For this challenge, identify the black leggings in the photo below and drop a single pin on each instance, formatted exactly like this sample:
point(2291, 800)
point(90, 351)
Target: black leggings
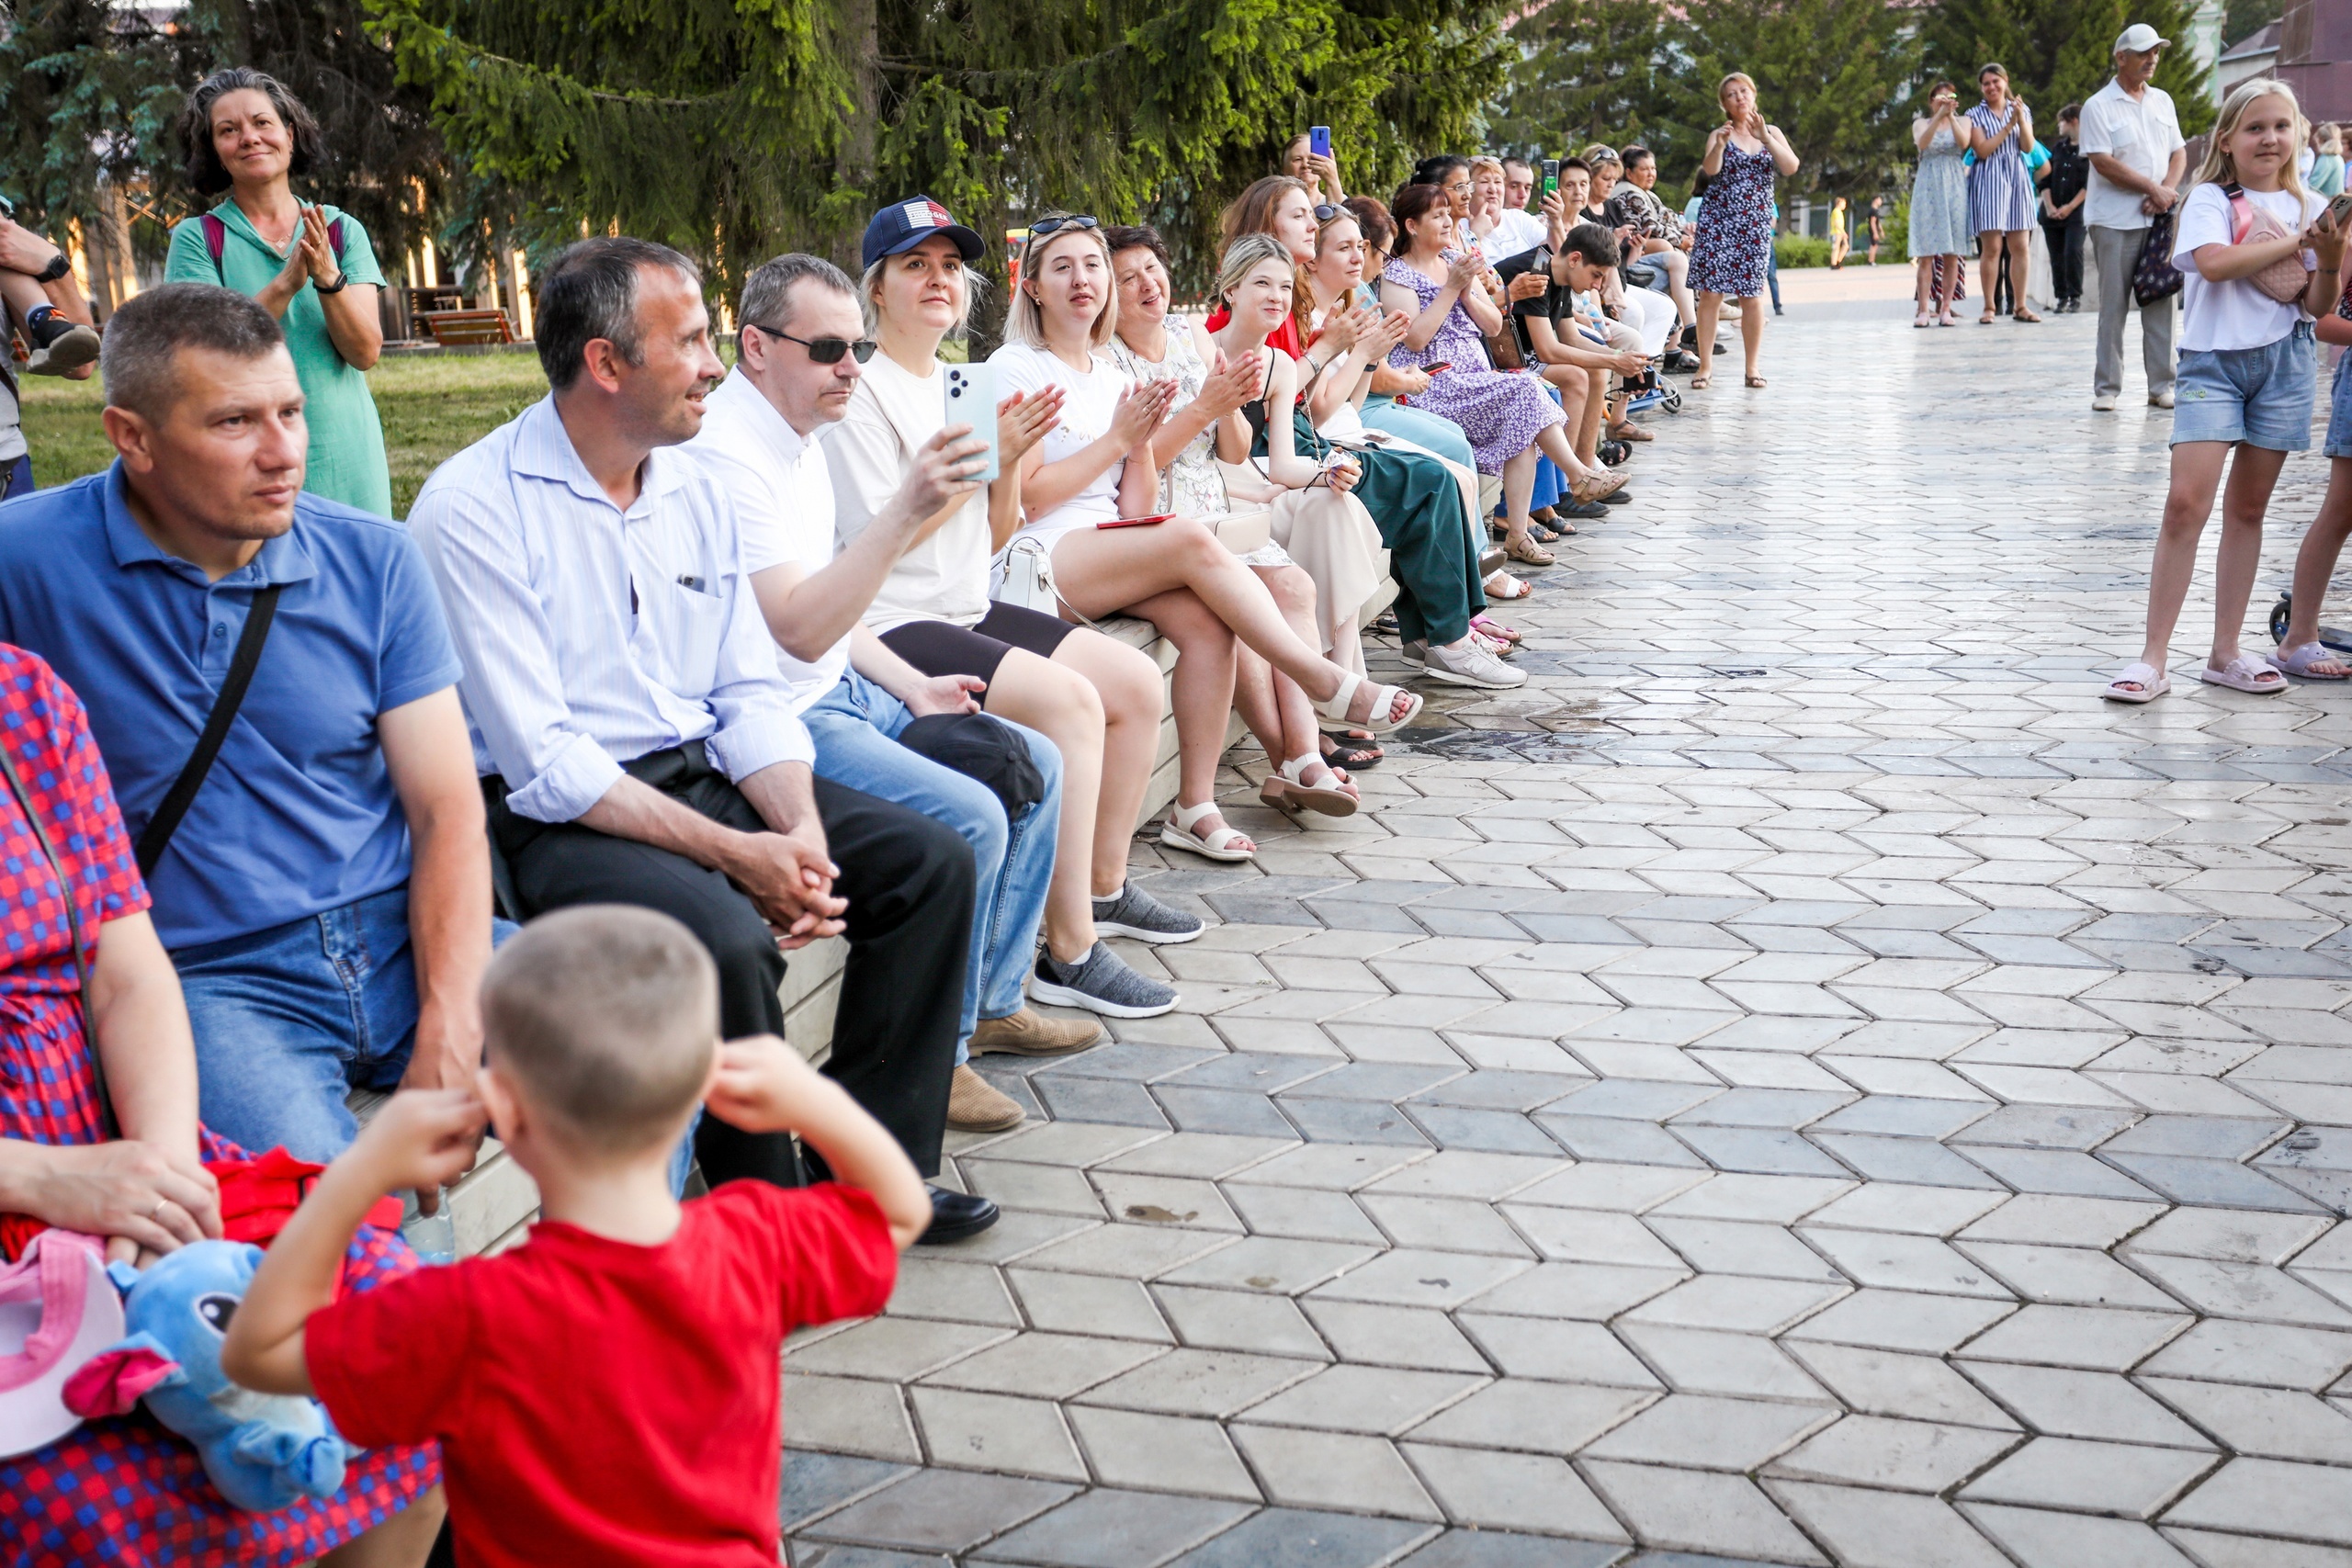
point(942, 648)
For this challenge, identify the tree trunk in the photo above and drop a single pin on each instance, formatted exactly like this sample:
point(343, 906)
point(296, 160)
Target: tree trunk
point(853, 164)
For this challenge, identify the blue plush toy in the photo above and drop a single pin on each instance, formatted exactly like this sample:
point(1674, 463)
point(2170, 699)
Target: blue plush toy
point(263, 1452)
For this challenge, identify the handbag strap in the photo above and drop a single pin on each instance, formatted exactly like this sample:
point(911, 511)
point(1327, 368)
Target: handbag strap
point(157, 835)
point(72, 934)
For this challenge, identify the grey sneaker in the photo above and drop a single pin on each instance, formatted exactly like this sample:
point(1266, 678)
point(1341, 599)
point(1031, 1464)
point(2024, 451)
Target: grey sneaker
point(1132, 912)
point(1416, 654)
point(1101, 982)
point(1470, 666)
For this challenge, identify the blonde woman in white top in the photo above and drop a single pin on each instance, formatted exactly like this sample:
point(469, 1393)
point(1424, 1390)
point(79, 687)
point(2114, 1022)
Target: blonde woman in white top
point(1097, 699)
point(1097, 468)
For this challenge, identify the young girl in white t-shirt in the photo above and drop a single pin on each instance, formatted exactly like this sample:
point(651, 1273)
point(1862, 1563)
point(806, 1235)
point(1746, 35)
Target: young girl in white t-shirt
point(2246, 372)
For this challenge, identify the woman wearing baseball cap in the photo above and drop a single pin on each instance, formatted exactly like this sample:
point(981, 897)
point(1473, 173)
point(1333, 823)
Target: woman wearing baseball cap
point(1096, 698)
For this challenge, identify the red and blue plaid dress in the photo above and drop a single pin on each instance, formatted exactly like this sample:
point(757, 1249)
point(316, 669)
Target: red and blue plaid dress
point(123, 1490)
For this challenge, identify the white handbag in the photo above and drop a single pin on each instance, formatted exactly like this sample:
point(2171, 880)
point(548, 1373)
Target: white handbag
point(1025, 577)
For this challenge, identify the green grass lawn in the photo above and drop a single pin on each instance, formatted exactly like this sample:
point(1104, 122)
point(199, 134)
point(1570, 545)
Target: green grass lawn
point(431, 406)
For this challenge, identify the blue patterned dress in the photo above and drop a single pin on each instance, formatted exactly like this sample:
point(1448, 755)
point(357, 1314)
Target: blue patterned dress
point(1939, 200)
point(2000, 191)
point(1734, 244)
point(1502, 412)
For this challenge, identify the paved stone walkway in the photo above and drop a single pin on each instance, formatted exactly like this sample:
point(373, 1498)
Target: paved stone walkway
point(1802, 1081)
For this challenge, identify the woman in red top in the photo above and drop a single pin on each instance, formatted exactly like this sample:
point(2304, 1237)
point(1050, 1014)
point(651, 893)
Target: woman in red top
point(123, 1490)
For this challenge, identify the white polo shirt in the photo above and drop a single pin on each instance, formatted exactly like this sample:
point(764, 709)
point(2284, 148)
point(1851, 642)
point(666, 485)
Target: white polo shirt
point(781, 493)
point(2141, 134)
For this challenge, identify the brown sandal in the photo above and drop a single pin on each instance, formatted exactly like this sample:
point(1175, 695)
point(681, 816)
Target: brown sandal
point(1527, 552)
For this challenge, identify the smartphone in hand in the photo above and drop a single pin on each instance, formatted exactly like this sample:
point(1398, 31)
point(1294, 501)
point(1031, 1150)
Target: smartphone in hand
point(2339, 211)
point(1318, 140)
point(1551, 175)
point(970, 396)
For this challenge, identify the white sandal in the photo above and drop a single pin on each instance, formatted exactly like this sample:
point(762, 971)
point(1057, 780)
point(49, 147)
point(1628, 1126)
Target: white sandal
point(1178, 834)
point(2151, 681)
point(1384, 703)
point(2245, 673)
point(1287, 790)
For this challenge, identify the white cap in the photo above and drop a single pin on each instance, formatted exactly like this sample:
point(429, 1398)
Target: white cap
point(2139, 37)
point(62, 1310)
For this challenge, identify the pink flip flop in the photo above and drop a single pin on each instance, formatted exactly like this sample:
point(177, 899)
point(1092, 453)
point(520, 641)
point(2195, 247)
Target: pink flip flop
point(2140, 683)
point(2245, 673)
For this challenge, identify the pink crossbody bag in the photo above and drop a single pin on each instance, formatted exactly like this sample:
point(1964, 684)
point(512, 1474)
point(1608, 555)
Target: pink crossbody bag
point(2284, 279)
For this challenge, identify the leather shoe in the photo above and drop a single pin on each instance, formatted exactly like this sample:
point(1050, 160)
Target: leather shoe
point(956, 1216)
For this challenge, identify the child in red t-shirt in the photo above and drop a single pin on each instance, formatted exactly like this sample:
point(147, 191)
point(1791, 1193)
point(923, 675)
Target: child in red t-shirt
point(608, 1391)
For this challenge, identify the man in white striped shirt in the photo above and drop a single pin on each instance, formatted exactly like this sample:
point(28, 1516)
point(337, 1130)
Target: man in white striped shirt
point(638, 743)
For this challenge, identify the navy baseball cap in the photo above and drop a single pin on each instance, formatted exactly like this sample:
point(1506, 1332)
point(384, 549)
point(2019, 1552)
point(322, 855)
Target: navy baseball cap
point(903, 225)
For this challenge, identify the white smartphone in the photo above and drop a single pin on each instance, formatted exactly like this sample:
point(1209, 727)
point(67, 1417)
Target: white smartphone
point(971, 399)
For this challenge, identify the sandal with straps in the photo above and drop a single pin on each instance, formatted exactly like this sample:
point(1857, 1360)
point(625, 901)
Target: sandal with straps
point(1382, 719)
point(1287, 789)
point(1496, 629)
point(1502, 588)
point(1178, 834)
point(1349, 751)
point(1527, 552)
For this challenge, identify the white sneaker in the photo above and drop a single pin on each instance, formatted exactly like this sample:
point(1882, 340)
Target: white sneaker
point(2104, 402)
point(2160, 400)
point(1472, 665)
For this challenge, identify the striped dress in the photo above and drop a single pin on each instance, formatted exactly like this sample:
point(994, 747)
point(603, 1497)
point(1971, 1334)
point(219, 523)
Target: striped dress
point(2000, 192)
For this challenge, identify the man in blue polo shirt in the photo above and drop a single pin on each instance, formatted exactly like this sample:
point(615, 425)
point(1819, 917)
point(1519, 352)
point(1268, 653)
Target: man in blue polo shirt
point(326, 895)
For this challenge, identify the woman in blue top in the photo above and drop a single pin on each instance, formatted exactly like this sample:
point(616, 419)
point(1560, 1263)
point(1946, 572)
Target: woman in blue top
point(2000, 190)
point(311, 266)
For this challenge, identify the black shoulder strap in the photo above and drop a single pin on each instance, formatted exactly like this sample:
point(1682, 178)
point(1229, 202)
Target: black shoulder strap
point(181, 794)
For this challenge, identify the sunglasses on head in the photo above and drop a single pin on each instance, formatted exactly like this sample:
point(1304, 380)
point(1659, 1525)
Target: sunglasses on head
point(1044, 226)
point(824, 349)
point(1325, 212)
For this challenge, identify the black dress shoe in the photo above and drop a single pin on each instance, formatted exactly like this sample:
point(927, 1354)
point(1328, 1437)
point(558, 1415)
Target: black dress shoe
point(955, 1216)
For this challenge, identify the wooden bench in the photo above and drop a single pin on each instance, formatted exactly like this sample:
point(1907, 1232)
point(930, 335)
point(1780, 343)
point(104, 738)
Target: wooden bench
point(467, 329)
point(495, 1202)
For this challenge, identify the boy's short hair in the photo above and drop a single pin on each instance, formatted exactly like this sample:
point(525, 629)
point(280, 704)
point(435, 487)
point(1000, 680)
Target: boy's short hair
point(605, 1016)
point(1595, 244)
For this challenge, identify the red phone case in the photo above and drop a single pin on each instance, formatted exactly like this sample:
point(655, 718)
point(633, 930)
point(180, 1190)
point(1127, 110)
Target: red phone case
point(1136, 522)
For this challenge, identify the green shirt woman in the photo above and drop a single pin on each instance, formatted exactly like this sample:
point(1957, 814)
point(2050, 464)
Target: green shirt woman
point(311, 266)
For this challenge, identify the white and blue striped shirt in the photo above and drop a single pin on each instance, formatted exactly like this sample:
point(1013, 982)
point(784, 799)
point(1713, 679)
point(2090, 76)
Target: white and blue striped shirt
point(591, 636)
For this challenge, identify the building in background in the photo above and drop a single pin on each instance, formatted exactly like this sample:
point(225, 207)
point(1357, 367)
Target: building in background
point(2315, 56)
point(2253, 55)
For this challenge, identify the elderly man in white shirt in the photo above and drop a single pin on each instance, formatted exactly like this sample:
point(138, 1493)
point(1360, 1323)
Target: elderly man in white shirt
point(881, 726)
point(2131, 136)
point(638, 743)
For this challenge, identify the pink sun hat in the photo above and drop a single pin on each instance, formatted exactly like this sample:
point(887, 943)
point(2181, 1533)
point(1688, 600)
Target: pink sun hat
point(56, 1310)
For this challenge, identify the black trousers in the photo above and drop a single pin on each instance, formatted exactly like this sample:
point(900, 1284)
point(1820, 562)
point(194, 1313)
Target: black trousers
point(908, 882)
point(2065, 237)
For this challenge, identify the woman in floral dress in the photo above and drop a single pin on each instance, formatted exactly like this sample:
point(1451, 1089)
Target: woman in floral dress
point(122, 1490)
point(1507, 414)
point(1734, 245)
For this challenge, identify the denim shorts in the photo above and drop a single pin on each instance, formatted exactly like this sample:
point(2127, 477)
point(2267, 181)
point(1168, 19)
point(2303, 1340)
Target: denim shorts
point(2260, 396)
point(2339, 413)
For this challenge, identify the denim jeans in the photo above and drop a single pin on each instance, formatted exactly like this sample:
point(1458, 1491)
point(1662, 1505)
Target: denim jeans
point(290, 1020)
point(856, 726)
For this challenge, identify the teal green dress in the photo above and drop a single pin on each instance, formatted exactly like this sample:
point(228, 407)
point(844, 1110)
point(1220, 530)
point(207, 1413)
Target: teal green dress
point(346, 461)
point(1416, 503)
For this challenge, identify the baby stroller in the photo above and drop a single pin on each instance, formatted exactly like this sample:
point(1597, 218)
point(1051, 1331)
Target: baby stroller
point(1652, 391)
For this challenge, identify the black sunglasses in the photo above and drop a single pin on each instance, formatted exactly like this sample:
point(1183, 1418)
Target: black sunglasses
point(1044, 226)
point(825, 350)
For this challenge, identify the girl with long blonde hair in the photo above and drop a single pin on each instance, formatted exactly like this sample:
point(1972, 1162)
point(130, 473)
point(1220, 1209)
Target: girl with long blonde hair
point(2259, 260)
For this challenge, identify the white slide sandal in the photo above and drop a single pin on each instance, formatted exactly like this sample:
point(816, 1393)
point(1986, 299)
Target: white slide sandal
point(1178, 834)
point(1383, 703)
point(2138, 683)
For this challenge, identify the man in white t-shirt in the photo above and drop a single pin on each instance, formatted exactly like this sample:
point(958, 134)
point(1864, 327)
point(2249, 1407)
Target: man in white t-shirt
point(880, 727)
point(2132, 137)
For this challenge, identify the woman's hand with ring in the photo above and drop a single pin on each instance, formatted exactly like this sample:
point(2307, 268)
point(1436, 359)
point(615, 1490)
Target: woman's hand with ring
point(134, 1194)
